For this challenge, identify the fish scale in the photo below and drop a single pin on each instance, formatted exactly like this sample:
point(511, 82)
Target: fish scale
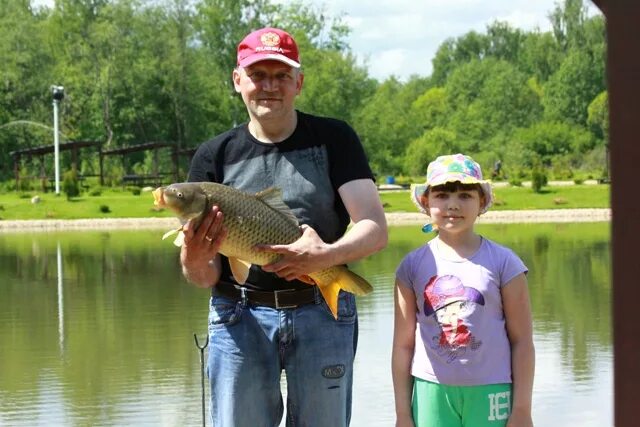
point(250, 220)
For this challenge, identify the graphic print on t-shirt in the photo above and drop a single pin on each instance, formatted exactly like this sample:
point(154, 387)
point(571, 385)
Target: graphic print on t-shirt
point(446, 298)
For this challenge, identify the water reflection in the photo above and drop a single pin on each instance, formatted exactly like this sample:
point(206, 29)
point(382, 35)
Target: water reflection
point(97, 328)
point(60, 301)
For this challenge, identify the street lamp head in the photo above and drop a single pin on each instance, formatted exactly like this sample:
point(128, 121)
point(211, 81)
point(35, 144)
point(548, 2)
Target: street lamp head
point(58, 92)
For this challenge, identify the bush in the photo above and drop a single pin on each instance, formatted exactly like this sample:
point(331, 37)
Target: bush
point(134, 190)
point(561, 168)
point(105, 209)
point(71, 184)
point(515, 182)
point(538, 178)
point(95, 191)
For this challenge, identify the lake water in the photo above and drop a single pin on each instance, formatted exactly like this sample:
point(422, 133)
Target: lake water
point(96, 328)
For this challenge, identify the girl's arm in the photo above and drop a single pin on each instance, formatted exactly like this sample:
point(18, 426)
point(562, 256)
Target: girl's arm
point(403, 344)
point(517, 311)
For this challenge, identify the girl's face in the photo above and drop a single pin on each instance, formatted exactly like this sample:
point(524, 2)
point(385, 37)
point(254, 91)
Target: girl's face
point(453, 211)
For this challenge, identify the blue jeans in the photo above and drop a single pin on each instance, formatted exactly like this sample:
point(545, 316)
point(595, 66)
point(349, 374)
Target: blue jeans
point(250, 345)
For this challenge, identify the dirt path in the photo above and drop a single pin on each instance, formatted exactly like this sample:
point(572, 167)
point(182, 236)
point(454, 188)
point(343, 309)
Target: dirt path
point(523, 216)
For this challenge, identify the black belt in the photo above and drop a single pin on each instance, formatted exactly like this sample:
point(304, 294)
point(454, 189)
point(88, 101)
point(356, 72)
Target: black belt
point(287, 298)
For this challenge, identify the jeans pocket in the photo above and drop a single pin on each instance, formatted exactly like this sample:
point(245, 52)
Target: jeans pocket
point(223, 312)
point(346, 307)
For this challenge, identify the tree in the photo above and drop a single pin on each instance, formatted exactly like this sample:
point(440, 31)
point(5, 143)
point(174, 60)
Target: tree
point(569, 91)
point(431, 144)
point(504, 42)
point(489, 97)
point(540, 56)
point(335, 85)
point(598, 116)
point(25, 97)
point(384, 127)
point(598, 122)
point(546, 140)
point(567, 20)
point(431, 109)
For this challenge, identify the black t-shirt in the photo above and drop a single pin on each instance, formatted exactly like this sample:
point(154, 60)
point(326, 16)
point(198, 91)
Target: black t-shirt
point(320, 156)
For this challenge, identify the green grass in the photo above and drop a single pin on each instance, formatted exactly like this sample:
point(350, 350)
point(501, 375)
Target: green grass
point(521, 198)
point(123, 204)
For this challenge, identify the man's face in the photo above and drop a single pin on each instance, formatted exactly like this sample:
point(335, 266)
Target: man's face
point(268, 88)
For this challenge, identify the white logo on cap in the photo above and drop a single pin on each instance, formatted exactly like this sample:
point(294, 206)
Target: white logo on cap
point(270, 39)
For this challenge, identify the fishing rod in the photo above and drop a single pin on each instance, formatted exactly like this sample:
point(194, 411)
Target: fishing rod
point(201, 348)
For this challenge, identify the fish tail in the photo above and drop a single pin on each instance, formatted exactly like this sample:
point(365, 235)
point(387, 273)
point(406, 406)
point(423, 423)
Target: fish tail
point(340, 278)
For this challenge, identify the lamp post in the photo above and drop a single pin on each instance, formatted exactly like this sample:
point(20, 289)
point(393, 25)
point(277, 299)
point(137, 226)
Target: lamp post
point(58, 95)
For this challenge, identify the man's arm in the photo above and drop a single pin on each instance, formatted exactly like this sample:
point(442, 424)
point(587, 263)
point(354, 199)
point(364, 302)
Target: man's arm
point(367, 235)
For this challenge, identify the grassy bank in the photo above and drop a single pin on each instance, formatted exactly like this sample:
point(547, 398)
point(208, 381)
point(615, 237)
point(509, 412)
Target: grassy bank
point(123, 204)
point(522, 198)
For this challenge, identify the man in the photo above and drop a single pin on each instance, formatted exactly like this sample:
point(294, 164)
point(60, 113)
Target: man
point(255, 332)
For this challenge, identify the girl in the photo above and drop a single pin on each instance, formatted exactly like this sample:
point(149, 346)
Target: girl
point(463, 350)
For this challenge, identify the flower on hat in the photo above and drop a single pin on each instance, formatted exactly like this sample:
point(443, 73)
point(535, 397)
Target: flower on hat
point(268, 43)
point(452, 168)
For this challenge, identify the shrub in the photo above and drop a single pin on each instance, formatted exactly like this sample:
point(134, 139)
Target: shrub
point(71, 184)
point(515, 181)
point(95, 191)
point(134, 190)
point(538, 178)
point(105, 209)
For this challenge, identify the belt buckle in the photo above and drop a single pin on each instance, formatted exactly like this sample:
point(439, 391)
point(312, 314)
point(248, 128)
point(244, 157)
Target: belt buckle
point(277, 300)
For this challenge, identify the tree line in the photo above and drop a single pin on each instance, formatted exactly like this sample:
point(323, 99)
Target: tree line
point(137, 71)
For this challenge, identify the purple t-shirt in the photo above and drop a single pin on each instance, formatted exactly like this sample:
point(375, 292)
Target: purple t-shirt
point(461, 338)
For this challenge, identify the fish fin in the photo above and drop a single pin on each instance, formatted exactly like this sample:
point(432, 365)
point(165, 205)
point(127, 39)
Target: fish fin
point(272, 196)
point(330, 295)
point(179, 240)
point(239, 269)
point(340, 277)
point(170, 232)
point(351, 282)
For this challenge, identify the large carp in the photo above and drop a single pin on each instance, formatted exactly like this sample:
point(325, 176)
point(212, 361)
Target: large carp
point(250, 220)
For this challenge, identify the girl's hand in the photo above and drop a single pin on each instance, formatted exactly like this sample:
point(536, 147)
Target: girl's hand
point(519, 418)
point(404, 421)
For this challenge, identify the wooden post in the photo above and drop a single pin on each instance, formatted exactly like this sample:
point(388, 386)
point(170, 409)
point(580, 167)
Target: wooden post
point(100, 161)
point(623, 74)
point(16, 170)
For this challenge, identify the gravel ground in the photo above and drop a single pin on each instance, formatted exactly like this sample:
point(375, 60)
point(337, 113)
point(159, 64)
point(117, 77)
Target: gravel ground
point(491, 217)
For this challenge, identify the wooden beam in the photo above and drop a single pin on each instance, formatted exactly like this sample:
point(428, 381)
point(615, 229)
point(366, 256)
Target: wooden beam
point(623, 74)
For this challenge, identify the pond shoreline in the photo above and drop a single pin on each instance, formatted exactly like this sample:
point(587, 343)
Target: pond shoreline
point(396, 218)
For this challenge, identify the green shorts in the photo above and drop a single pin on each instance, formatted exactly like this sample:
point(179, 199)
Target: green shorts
point(441, 405)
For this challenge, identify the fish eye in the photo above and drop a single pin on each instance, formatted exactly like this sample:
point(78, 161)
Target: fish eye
point(179, 195)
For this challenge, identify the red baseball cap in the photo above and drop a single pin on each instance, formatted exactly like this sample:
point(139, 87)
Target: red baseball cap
point(268, 43)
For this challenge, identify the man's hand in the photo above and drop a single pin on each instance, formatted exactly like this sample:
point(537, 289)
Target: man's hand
point(304, 256)
point(200, 248)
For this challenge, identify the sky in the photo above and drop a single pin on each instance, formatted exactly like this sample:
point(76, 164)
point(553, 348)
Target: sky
point(400, 37)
